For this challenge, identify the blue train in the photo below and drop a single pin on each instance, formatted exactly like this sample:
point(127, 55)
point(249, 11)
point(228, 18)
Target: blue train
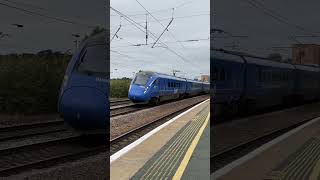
point(84, 95)
point(152, 87)
point(243, 82)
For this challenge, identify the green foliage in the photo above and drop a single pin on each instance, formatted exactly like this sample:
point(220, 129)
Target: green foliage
point(30, 84)
point(119, 88)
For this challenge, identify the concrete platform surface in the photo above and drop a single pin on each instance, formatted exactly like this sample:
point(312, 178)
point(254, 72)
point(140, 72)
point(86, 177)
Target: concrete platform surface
point(166, 151)
point(292, 156)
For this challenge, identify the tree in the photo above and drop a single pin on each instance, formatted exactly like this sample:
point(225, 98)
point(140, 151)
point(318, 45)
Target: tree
point(95, 31)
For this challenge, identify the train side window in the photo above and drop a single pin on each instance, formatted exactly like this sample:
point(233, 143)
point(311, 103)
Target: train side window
point(259, 75)
point(229, 77)
point(222, 74)
point(214, 73)
point(155, 83)
point(93, 60)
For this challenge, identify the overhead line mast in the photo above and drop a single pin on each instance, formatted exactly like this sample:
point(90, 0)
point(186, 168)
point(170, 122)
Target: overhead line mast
point(146, 29)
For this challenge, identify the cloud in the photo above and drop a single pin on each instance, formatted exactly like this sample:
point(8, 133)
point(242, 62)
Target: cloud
point(195, 54)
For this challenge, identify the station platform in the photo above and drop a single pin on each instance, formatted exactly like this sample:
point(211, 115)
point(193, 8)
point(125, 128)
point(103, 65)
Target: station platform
point(178, 149)
point(292, 156)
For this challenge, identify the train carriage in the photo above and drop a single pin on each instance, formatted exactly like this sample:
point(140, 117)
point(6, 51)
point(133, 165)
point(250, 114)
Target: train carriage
point(268, 83)
point(307, 82)
point(155, 87)
point(83, 100)
point(242, 82)
point(228, 80)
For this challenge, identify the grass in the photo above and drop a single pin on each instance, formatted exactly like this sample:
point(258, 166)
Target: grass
point(31, 85)
point(119, 88)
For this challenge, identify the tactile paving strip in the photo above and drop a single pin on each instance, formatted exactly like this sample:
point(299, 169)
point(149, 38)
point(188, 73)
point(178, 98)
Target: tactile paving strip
point(165, 162)
point(304, 164)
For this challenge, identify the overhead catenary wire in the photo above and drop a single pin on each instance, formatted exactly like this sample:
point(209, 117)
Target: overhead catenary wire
point(141, 28)
point(160, 22)
point(45, 15)
point(157, 11)
point(275, 16)
point(134, 23)
point(120, 54)
point(188, 40)
point(25, 4)
point(177, 17)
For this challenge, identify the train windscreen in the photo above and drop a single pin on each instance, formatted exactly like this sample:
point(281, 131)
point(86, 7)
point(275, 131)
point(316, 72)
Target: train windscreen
point(94, 60)
point(142, 78)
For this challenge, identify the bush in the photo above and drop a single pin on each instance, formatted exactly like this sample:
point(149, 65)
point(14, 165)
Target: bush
point(119, 88)
point(31, 84)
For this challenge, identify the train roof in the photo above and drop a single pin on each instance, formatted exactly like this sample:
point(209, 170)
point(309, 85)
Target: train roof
point(226, 56)
point(307, 68)
point(237, 57)
point(166, 76)
point(264, 62)
point(194, 81)
point(162, 75)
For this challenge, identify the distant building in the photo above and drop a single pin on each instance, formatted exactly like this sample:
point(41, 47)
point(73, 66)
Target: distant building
point(205, 78)
point(308, 54)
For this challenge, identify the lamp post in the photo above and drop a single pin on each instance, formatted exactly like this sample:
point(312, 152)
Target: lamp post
point(76, 41)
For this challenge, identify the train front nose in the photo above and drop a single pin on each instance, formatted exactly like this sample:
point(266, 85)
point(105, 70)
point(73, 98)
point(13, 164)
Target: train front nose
point(138, 94)
point(84, 108)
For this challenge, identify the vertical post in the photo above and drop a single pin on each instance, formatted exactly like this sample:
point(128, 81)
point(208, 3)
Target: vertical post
point(146, 29)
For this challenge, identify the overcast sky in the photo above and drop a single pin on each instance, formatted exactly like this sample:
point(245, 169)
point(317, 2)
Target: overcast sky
point(41, 33)
point(191, 21)
point(258, 22)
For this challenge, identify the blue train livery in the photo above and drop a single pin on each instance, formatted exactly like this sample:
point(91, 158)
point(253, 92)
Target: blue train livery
point(242, 82)
point(155, 87)
point(83, 99)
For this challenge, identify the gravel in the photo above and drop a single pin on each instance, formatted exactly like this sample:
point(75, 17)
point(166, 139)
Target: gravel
point(18, 119)
point(93, 167)
point(125, 123)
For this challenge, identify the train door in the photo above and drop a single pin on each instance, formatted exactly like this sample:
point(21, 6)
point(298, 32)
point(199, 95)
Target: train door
point(161, 86)
point(164, 89)
point(155, 88)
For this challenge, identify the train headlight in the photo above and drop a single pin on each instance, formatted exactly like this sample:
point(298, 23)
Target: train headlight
point(146, 89)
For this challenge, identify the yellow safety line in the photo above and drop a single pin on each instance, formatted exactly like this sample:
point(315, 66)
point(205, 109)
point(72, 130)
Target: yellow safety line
point(186, 146)
point(189, 153)
point(181, 137)
point(174, 153)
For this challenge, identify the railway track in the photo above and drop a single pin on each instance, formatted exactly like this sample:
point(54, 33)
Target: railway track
point(121, 110)
point(230, 152)
point(119, 102)
point(127, 138)
point(44, 154)
point(27, 130)
point(129, 107)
